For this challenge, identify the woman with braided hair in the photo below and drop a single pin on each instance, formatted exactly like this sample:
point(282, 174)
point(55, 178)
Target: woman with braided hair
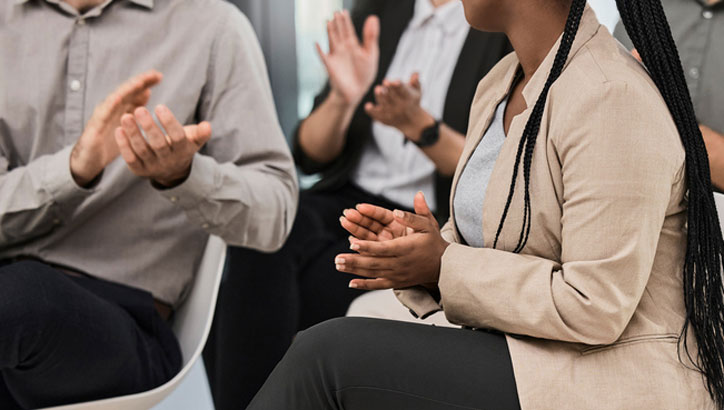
point(583, 256)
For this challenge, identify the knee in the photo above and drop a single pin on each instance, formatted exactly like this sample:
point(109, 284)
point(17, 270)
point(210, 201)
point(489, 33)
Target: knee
point(331, 342)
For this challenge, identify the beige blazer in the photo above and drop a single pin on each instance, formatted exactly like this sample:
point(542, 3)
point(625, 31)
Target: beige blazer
point(594, 304)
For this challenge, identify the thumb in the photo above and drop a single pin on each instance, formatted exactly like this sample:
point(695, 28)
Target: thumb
point(198, 134)
point(415, 81)
point(371, 33)
point(421, 207)
point(636, 55)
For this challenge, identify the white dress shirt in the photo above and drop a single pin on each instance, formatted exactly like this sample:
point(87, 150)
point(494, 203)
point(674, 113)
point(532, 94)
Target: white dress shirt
point(430, 46)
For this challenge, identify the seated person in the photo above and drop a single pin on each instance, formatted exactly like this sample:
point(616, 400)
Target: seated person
point(583, 255)
point(101, 229)
point(373, 140)
point(698, 29)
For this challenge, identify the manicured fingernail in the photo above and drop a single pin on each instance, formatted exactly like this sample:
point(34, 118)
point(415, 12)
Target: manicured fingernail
point(340, 267)
point(354, 247)
point(341, 219)
point(398, 213)
point(346, 212)
point(353, 285)
point(340, 261)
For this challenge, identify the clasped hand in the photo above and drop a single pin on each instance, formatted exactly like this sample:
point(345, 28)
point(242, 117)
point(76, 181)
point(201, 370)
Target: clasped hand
point(395, 249)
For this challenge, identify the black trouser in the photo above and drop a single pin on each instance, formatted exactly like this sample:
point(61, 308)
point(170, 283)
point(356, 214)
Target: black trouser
point(362, 364)
point(67, 340)
point(266, 299)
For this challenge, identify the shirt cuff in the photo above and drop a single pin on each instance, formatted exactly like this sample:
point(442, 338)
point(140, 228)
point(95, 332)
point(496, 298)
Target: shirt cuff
point(200, 184)
point(418, 300)
point(57, 180)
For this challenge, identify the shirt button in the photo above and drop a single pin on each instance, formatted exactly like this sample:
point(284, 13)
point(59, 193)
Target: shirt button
point(205, 226)
point(56, 221)
point(174, 199)
point(75, 85)
point(694, 73)
point(708, 14)
point(80, 22)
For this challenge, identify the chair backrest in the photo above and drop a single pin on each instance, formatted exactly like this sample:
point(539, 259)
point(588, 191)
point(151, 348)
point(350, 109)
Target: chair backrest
point(719, 199)
point(192, 324)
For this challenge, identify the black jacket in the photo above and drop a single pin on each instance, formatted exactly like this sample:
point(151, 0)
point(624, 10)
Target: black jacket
point(479, 54)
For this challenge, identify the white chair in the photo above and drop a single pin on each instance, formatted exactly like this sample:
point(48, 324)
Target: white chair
point(191, 324)
point(719, 199)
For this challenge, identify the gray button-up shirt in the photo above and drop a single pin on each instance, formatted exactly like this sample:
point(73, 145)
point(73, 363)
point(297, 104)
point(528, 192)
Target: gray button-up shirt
point(57, 65)
point(698, 29)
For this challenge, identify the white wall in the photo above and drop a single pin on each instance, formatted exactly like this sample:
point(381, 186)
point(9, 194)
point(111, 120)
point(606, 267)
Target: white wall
point(606, 12)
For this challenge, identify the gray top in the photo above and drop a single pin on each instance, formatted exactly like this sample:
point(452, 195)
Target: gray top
point(698, 29)
point(58, 65)
point(470, 192)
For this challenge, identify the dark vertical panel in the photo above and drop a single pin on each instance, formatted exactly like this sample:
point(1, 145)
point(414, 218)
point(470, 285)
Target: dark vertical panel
point(274, 23)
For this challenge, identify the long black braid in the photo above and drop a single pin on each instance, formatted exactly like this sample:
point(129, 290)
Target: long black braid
point(646, 24)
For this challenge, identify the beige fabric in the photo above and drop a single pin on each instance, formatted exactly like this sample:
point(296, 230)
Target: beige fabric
point(596, 295)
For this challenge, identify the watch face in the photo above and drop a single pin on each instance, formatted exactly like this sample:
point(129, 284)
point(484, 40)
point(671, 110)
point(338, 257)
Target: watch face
point(430, 136)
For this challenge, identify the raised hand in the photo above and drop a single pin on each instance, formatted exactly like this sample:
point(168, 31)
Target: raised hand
point(96, 147)
point(398, 105)
point(165, 159)
point(407, 260)
point(352, 67)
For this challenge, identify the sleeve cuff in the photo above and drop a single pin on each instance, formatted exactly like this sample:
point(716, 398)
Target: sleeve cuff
point(199, 185)
point(419, 301)
point(57, 180)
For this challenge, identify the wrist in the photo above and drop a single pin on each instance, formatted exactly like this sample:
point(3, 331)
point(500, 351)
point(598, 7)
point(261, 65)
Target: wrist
point(172, 181)
point(338, 100)
point(82, 167)
point(419, 122)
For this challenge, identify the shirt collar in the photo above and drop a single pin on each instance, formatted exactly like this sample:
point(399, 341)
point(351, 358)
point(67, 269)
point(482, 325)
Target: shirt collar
point(450, 17)
point(144, 3)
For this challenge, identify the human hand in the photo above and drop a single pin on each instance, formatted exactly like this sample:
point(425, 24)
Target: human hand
point(636, 55)
point(352, 67)
point(96, 147)
point(407, 260)
point(715, 149)
point(398, 105)
point(165, 159)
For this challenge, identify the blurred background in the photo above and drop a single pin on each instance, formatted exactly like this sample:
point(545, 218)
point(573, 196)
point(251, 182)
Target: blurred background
point(288, 34)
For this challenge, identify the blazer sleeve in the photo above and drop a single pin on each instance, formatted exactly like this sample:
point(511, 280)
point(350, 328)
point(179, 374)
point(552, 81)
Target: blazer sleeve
point(620, 167)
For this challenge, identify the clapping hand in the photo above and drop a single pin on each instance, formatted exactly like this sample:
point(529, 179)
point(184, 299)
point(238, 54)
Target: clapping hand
point(352, 67)
point(395, 249)
point(96, 148)
point(398, 105)
point(167, 156)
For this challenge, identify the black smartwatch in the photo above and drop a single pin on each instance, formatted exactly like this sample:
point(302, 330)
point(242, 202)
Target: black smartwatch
point(430, 136)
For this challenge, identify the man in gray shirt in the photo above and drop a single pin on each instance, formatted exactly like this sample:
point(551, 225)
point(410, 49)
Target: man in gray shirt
point(698, 29)
point(101, 228)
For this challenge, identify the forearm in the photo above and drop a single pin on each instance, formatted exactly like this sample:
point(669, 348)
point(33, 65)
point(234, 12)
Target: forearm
point(36, 198)
point(322, 135)
point(447, 151)
point(252, 205)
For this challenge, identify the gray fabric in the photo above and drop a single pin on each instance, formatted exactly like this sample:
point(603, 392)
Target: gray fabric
point(58, 65)
point(470, 193)
point(699, 34)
